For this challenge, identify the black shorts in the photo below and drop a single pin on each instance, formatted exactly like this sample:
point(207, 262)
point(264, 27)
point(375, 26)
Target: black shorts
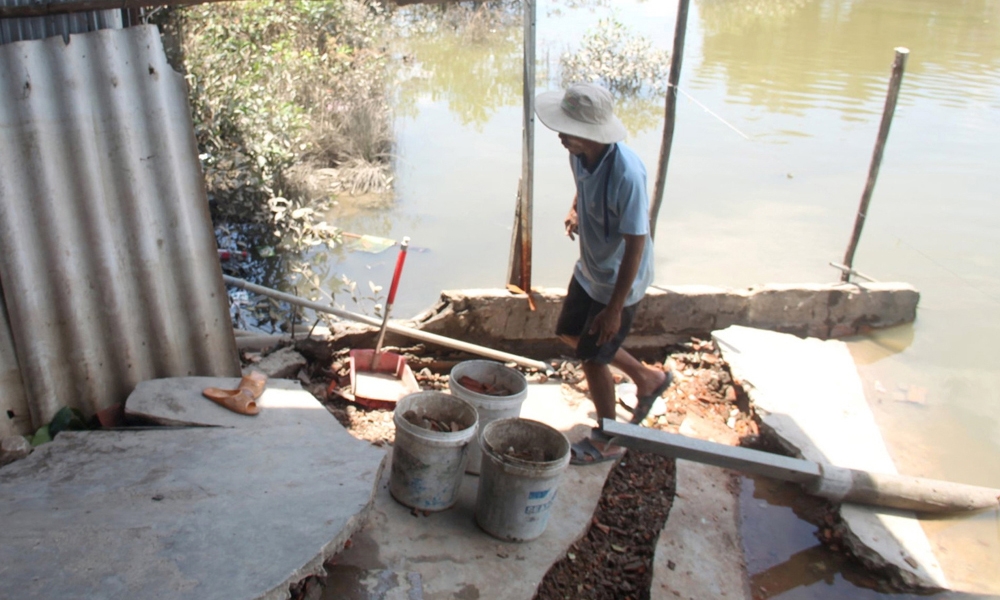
point(578, 312)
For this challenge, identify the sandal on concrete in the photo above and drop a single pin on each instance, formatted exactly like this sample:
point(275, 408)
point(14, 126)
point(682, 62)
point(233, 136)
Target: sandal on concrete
point(242, 400)
point(585, 452)
point(645, 403)
point(254, 381)
point(238, 401)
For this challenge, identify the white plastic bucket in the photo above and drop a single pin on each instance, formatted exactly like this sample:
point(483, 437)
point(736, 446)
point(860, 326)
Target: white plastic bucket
point(516, 493)
point(490, 408)
point(427, 466)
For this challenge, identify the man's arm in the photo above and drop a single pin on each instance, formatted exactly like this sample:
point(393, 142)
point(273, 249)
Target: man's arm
point(572, 221)
point(608, 321)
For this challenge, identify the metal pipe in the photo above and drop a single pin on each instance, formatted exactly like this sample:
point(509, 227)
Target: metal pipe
point(670, 113)
point(898, 66)
point(416, 334)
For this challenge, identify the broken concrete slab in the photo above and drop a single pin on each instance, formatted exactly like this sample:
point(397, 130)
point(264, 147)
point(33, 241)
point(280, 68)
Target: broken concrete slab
point(699, 553)
point(14, 447)
point(445, 555)
point(207, 512)
point(499, 319)
point(807, 392)
point(178, 401)
point(283, 363)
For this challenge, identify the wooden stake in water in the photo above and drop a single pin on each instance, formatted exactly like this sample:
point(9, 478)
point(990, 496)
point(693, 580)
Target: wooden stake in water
point(519, 268)
point(670, 113)
point(898, 66)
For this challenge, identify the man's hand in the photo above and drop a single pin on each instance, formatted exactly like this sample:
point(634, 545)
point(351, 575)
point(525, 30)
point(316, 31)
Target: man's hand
point(606, 324)
point(572, 222)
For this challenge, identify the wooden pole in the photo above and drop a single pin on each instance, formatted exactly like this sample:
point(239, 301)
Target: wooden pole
point(519, 269)
point(670, 112)
point(898, 66)
point(43, 9)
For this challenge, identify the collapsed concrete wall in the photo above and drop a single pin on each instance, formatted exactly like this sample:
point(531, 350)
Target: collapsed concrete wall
point(503, 320)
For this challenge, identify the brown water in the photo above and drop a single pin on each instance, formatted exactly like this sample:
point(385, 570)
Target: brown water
point(775, 129)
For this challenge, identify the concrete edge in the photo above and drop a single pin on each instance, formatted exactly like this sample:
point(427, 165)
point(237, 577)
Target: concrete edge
point(499, 319)
point(699, 551)
point(317, 566)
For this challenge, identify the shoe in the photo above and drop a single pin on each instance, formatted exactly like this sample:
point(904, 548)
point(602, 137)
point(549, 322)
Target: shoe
point(585, 452)
point(645, 403)
point(242, 400)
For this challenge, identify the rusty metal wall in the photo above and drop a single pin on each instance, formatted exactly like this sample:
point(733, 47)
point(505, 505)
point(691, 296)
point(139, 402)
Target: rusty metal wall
point(108, 263)
point(37, 28)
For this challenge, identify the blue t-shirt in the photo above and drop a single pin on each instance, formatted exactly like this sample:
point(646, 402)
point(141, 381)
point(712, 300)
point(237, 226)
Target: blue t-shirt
point(603, 225)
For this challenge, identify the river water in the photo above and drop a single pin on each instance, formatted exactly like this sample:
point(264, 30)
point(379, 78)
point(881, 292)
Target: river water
point(780, 106)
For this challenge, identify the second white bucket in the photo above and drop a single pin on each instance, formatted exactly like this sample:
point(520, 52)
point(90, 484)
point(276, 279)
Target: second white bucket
point(490, 407)
point(523, 461)
point(427, 465)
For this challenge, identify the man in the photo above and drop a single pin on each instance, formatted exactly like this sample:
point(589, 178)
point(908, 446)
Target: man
point(610, 213)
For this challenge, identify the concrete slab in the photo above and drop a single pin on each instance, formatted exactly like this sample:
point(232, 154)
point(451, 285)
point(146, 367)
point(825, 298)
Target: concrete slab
point(178, 401)
point(808, 392)
point(699, 554)
point(446, 556)
point(208, 512)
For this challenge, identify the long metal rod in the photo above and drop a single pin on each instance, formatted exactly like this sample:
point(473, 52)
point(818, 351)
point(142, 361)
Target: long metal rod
point(898, 66)
point(416, 334)
point(670, 113)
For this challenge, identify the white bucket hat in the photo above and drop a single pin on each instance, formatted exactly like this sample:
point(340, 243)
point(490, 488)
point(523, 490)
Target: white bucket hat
point(584, 110)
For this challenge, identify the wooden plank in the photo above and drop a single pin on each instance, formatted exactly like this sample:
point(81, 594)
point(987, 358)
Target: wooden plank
point(720, 455)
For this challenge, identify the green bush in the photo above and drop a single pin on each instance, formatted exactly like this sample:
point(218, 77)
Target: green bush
point(275, 84)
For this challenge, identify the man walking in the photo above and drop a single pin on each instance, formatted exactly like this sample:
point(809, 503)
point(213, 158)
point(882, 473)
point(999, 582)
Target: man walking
point(610, 213)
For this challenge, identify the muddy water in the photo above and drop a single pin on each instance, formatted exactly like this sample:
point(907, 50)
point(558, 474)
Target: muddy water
point(781, 105)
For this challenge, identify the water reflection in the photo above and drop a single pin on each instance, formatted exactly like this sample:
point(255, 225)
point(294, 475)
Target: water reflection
point(790, 55)
point(473, 64)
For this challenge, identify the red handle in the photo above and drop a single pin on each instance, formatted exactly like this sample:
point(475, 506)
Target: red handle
point(399, 270)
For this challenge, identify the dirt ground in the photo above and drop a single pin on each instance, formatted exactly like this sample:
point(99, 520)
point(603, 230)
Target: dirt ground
point(614, 559)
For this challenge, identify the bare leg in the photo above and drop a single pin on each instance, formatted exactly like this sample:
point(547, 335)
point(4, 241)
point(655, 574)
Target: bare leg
point(602, 389)
point(601, 382)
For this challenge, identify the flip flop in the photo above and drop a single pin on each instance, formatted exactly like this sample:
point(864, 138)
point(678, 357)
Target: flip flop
point(585, 452)
point(645, 403)
point(238, 401)
point(243, 399)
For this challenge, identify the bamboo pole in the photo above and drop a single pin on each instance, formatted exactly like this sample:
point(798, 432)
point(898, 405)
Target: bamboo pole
point(898, 66)
point(416, 334)
point(670, 112)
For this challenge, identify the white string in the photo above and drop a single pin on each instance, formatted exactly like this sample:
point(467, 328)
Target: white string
point(709, 111)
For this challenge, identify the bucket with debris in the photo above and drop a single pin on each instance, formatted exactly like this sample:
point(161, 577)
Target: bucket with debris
point(497, 392)
point(523, 461)
point(433, 431)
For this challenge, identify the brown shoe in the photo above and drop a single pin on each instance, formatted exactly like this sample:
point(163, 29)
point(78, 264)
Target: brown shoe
point(242, 400)
point(238, 401)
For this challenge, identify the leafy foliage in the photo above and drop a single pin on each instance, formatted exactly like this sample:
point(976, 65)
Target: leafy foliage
point(622, 61)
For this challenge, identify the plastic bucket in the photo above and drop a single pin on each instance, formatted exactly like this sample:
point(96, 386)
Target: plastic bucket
point(523, 461)
point(489, 407)
point(427, 465)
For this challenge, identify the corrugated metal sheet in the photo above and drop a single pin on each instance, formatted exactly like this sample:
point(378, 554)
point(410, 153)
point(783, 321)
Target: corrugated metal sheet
point(37, 28)
point(14, 415)
point(108, 262)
